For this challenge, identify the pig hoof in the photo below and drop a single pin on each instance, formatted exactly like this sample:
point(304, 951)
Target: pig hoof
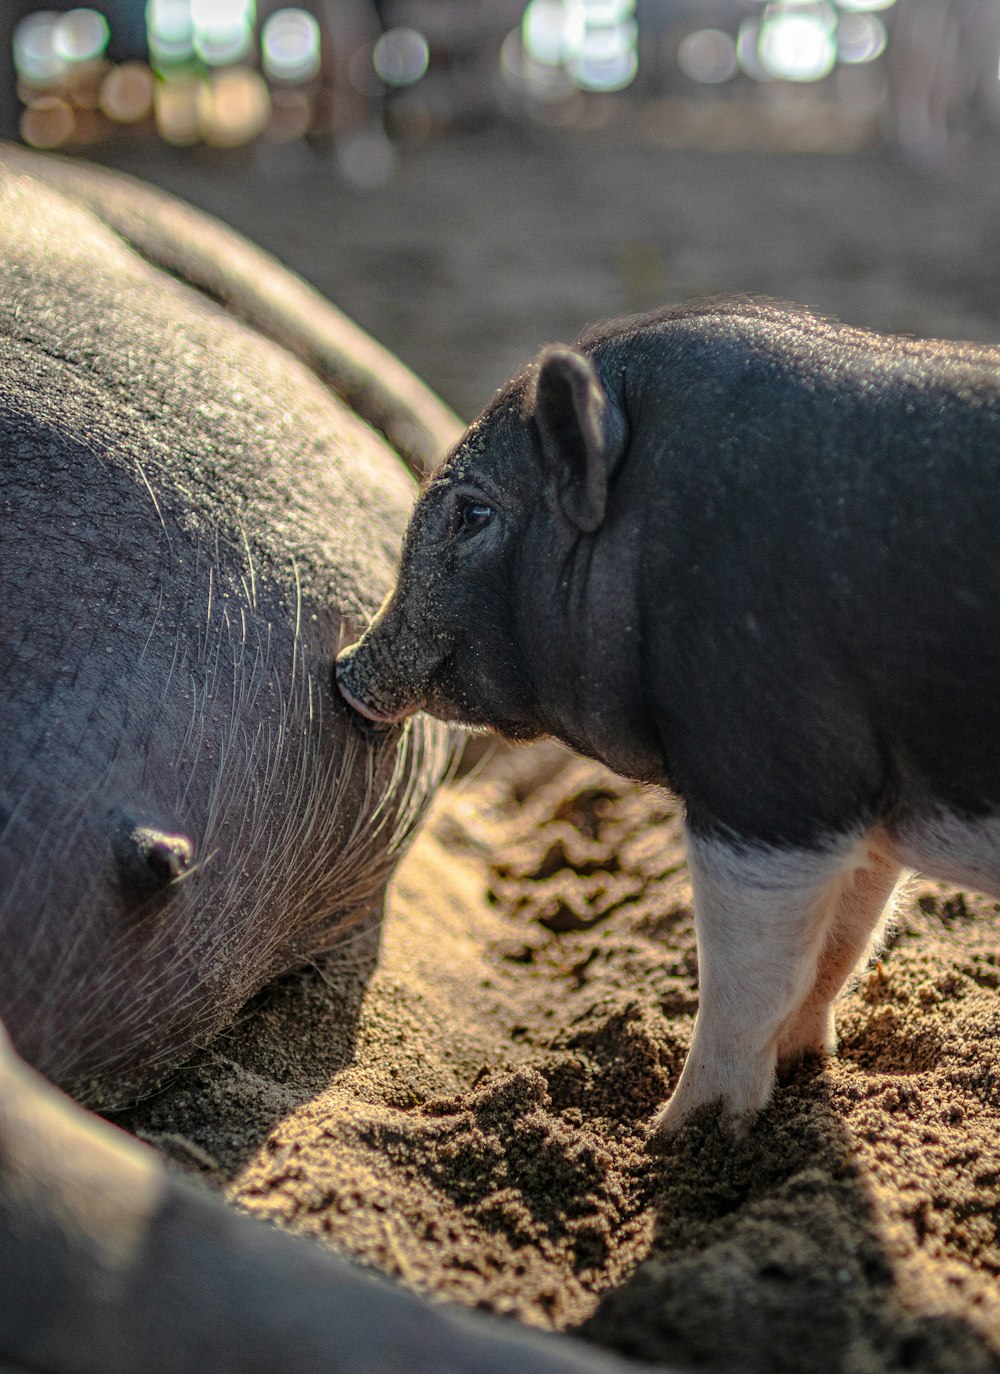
point(669, 1121)
point(792, 1059)
point(810, 1036)
point(664, 1126)
point(738, 1092)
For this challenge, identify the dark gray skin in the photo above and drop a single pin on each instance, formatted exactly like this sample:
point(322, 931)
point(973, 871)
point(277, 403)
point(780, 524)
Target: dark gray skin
point(747, 554)
point(191, 524)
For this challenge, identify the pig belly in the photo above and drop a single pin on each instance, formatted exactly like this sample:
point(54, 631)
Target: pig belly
point(952, 848)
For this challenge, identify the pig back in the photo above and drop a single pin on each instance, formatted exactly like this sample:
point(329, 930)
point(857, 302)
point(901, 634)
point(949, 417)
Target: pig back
point(818, 565)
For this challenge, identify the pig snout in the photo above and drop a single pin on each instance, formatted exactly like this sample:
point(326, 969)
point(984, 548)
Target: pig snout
point(367, 682)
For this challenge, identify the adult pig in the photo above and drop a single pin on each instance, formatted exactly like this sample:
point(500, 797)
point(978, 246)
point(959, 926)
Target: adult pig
point(192, 523)
point(750, 555)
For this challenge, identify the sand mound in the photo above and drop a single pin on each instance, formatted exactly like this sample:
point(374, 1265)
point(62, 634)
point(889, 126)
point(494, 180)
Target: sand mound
point(466, 1113)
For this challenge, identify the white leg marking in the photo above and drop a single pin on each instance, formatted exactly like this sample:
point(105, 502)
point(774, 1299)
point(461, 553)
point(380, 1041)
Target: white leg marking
point(763, 917)
point(860, 910)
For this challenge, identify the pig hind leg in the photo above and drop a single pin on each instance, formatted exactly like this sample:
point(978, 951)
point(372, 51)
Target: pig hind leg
point(859, 910)
point(778, 931)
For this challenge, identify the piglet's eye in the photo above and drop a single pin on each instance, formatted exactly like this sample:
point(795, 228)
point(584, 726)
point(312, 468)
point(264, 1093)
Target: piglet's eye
point(473, 516)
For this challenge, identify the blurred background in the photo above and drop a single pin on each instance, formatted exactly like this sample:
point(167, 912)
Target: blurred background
point(472, 178)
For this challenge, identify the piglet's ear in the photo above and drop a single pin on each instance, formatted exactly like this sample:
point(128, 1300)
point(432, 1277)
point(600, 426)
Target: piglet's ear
point(571, 414)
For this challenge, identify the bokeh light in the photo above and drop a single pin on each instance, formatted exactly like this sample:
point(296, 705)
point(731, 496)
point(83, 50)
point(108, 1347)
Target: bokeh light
point(594, 41)
point(560, 52)
point(521, 69)
point(366, 158)
point(290, 46)
point(291, 115)
point(543, 28)
point(223, 30)
point(175, 108)
point(602, 44)
point(233, 107)
point(748, 50)
point(80, 36)
point(708, 56)
point(35, 55)
point(401, 56)
point(126, 94)
point(48, 122)
point(170, 31)
point(865, 4)
point(798, 44)
point(861, 38)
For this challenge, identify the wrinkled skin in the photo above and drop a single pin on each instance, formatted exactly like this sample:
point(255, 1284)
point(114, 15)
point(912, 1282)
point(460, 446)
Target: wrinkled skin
point(192, 524)
point(748, 554)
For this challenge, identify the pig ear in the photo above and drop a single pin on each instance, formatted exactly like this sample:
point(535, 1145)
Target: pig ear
point(571, 412)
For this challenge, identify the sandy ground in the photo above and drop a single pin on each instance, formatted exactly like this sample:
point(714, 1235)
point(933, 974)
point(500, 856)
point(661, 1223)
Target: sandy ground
point(458, 1099)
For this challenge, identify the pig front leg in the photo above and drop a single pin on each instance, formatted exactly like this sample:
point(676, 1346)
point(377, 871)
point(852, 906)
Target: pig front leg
point(778, 932)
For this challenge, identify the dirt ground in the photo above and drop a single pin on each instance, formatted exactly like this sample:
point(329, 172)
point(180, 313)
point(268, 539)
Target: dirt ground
point(459, 1098)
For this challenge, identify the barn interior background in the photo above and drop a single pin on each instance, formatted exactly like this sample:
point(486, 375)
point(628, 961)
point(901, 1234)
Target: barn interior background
point(370, 77)
point(470, 178)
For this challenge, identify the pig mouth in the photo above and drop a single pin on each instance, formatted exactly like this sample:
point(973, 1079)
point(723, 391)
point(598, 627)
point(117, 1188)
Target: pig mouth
point(373, 713)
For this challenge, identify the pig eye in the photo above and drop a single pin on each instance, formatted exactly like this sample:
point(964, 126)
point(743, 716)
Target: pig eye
point(473, 516)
